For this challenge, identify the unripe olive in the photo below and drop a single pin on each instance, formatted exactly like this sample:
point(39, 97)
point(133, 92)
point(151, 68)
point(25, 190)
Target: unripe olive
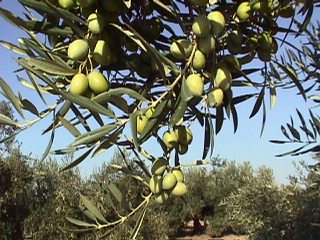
point(111, 5)
point(170, 139)
point(265, 41)
point(184, 135)
point(234, 42)
point(98, 83)
point(182, 149)
point(264, 55)
point(223, 78)
point(179, 174)
point(199, 3)
point(169, 181)
point(215, 97)
point(232, 62)
point(201, 26)
point(102, 53)
point(286, 12)
point(206, 44)
point(159, 166)
point(142, 121)
point(79, 84)
point(181, 49)
point(179, 190)
point(161, 197)
point(86, 3)
point(199, 60)
point(96, 23)
point(155, 184)
point(67, 4)
point(78, 49)
point(195, 85)
point(263, 6)
point(244, 11)
point(217, 21)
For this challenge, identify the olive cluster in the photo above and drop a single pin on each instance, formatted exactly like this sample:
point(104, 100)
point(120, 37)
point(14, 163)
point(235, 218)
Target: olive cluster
point(166, 181)
point(179, 138)
point(226, 40)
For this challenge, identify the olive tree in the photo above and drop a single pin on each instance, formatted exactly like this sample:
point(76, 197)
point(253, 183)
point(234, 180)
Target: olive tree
point(131, 73)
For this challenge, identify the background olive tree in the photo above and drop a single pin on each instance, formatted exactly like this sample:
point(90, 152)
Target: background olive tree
point(128, 73)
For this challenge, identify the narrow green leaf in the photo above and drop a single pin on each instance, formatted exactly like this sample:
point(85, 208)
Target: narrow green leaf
point(316, 121)
point(131, 35)
point(115, 192)
point(107, 143)
point(258, 103)
point(186, 95)
point(94, 136)
point(159, 113)
point(13, 48)
point(264, 117)
point(67, 150)
point(87, 103)
point(284, 131)
point(8, 121)
point(81, 119)
point(93, 209)
point(207, 137)
point(51, 67)
point(273, 95)
point(61, 113)
point(179, 112)
point(48, 148)
point(133, 126)
point(51, 9)
point(121, 91)
point(293, 76)
point(27, 105)
point(72, 129)
point(219, 118)
point(292, 151)
point(137, 227)
point(11, 96)
point(80, 223)
point(77, 161)
point(17, 21)
point(294, 132)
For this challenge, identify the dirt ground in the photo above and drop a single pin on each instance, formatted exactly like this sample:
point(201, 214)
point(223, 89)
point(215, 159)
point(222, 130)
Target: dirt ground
point(188, 229)
point(208, 237)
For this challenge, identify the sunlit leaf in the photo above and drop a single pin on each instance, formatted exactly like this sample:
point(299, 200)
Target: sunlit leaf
point(114, 190)
point(92, 208)
point(80, 223)
point(51, 67)
point(11, 96)
point(94, 136)
point(8, 121)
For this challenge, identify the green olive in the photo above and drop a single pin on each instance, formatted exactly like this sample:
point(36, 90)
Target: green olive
point(159, 166)
point(98, 83)
point(102, 53)
point(96, 23)
point(78, 49)
point(169, 181)
point(79, 84)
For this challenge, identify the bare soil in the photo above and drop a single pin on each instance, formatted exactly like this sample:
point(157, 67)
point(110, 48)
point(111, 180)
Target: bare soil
point(208, 237)
point(187, 235)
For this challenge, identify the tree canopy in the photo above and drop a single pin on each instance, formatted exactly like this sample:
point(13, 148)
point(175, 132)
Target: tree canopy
point(124, 73)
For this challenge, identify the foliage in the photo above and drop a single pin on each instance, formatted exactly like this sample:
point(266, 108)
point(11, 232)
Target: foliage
point(132, 72)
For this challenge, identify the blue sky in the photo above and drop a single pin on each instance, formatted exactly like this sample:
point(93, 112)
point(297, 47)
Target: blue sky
point(245, 145)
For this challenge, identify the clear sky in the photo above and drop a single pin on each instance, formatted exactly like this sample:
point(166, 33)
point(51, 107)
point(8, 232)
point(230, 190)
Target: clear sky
point(245, 145)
